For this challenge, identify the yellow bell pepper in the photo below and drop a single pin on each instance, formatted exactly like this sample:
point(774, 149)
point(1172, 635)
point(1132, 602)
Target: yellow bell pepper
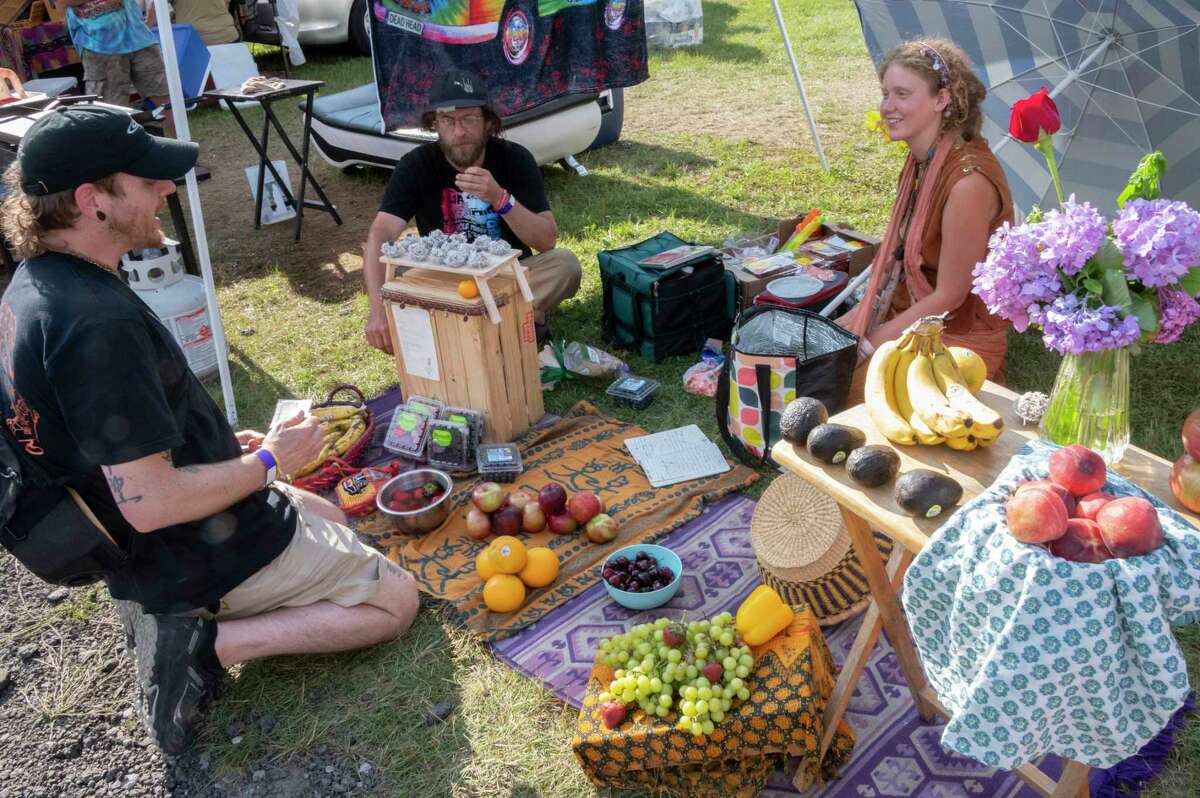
point(762, 616)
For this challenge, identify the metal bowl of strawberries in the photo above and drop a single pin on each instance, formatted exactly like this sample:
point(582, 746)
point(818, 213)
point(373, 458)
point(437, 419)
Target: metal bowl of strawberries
point(416, 501)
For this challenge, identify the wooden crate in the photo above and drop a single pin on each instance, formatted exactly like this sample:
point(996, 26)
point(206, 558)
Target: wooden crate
point(13, 10)
point(488, 367)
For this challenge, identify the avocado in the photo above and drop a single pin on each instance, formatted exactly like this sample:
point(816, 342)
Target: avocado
point(872, 466)
point(831, 443)
point(799, 417)
point(926, 494)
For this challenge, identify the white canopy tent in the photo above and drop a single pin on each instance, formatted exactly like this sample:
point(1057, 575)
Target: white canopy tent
point(787, 46)
point(166, 39)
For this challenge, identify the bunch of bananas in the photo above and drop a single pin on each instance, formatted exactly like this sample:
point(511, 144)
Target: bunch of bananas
point(342, 425)
point(916, 391)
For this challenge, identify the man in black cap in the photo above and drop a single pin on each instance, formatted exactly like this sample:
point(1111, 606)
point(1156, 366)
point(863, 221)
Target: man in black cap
point(227, 564)
point(470, 181)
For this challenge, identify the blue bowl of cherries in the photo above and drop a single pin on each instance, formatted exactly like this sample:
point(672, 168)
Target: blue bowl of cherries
point(643, 576)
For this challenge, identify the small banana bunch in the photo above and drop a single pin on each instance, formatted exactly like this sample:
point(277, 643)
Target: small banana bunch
point(916, 391)
point(342, 425)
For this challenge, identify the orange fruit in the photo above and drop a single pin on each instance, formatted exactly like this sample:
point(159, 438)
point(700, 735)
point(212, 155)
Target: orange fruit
point(503, 593)
point(483, 565)
point(541, 567)
point(507, 555)
point(467, 289)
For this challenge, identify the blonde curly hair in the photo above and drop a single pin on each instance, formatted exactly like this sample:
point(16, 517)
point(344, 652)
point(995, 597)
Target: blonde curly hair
point(26, 219)
point(967, 91)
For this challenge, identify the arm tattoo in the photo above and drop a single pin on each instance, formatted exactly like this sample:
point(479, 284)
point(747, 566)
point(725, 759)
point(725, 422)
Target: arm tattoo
point(166, 455)
point(117, 486)
point(188, 469)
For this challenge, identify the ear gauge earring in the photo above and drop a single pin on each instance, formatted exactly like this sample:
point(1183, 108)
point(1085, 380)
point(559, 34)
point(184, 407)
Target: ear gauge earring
point(101, 216)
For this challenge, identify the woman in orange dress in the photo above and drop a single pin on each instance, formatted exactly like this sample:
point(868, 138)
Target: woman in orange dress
point(952, 195)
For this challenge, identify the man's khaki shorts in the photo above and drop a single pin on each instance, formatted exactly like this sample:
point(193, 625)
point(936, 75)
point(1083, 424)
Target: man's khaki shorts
point(112, 75)
point(324, 562)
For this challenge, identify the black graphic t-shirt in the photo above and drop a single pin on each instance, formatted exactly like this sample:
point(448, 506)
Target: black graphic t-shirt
point(89, 376)
point(422, 186)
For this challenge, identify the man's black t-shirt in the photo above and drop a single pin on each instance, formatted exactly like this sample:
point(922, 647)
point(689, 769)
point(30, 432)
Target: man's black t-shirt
point(89, 377)
point(422, 185)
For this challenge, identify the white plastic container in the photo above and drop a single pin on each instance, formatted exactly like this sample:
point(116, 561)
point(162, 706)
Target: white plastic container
point(177, 299)
point(674, 23)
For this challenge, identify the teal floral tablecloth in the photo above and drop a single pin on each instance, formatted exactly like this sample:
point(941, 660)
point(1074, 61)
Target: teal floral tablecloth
point(1033, 654)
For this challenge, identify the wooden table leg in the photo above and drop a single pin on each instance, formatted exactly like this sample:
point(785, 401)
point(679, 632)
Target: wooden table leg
point(1073, 783)
point(860, 652)
point(889, 609)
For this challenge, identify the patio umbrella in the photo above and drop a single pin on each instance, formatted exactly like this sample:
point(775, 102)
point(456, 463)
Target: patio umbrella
point(1125, 75)
point(166, 40)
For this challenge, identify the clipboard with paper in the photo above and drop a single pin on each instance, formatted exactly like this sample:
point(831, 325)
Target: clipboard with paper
point(676, 455)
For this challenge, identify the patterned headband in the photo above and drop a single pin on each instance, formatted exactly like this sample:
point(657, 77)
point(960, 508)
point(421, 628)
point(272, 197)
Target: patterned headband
point(939, 63)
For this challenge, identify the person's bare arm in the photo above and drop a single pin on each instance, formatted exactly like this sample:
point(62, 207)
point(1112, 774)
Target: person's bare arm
point(152, 493)
point(972, 204)
point(385, 227)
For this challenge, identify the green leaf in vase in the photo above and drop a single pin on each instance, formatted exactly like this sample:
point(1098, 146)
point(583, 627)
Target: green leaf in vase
point(1191, 281)
point(1145, 310)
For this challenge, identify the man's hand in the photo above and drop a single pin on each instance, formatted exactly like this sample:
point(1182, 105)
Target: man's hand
point(480, 182)
point(250, 439)
point(378, 335)
point(295, 442)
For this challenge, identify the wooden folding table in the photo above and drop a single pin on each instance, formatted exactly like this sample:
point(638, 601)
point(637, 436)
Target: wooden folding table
point(867, 509)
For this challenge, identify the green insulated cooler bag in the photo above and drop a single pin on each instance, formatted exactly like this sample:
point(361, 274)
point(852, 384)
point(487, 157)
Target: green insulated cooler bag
point(664, 312)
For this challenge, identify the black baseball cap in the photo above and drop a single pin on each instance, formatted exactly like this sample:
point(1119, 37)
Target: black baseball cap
point(457, 88)
point(84, 143)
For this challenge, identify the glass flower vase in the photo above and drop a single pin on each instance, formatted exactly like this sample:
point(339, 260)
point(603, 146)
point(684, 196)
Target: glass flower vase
point(1089, 404)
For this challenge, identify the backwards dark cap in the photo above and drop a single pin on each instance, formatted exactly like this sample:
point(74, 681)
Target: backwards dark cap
point(457, 88)
point(84, 143)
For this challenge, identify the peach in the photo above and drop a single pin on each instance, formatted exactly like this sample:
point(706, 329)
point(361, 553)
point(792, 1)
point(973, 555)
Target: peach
point(1068, 498)
point(1078, 469)
point(1185, 482)
point(1036, 516)
point(1089, 505)
point(1082, 542)
point(1130, 526)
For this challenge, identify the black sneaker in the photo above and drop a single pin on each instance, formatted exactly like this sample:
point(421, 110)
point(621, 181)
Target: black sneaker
point(128, 613)
point(541, 331)
point(173, 655)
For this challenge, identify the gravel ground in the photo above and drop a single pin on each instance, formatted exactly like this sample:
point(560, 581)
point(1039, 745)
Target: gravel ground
point(68, 723)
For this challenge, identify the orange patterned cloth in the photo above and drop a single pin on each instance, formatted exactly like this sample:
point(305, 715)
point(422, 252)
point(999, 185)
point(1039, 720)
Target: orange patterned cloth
point(791, 683)
point(582, 451)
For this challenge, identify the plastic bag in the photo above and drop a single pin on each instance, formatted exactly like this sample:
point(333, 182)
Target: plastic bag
point(562, 361)
point(702, 378)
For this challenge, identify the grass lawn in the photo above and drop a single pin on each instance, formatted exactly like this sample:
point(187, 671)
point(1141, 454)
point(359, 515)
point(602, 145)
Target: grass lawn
point(714, 144)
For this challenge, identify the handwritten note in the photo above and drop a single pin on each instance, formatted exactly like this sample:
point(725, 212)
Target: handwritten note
point(676, 455)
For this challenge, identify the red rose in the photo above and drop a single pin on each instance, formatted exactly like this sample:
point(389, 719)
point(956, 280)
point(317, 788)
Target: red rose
point(1033, 115)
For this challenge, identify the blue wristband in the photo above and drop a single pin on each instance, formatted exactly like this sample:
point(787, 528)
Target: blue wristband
point(507, 206)
point(269, 461)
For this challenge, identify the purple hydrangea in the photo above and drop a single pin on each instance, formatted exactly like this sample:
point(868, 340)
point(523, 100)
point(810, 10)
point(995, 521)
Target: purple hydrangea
point(1071, 235)
point(1014, 282)
point(1176, 310)
point(1160, 240)
point(1069, 326)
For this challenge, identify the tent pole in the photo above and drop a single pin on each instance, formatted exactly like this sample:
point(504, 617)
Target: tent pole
point(166, 38)
point(812, 123)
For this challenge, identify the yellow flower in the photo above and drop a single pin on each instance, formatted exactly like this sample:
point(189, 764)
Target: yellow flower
point(874, 123)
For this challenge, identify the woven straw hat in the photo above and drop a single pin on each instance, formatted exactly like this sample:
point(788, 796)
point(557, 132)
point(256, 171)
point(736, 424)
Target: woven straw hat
point(804, 552)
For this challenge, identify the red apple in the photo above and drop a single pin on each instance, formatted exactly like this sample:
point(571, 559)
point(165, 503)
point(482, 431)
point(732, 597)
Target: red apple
point(713, 672)
point(562, 524)
point(507, 521)
point(602, 529)
point(1089, 505)
point(479, 526)
point(1068, 498)
point(488, 496)
point(1130, 526)
point(533, 520)
point(1036, 516)
point(1078, 469)
point(612, 713)
point(1185, 482)
point(520, 498)
point(1191, 434)
point(552, 498)
point(1082, 542)
point(584, 506)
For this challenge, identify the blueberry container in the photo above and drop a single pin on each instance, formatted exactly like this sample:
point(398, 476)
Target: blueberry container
point(499, 462)
point(407, 433)
point(472, 419)
point(425, 406)
point(637, 392)
point(448, 446)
